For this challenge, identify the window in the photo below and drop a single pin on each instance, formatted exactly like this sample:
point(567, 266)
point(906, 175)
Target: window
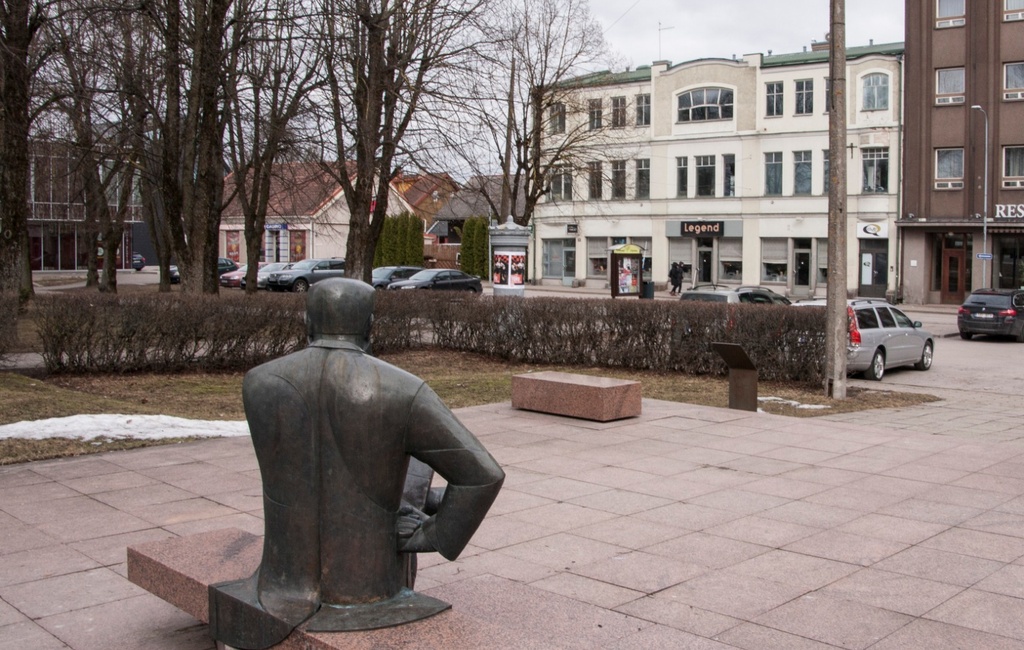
point(828, 93)
point(826, 169)
point(559, 258)
point(774, 256)
point(1013, 167)
point(643, 178)
point(876, 92)
point(822, 262)
point(705, 175)
point(704, 104)
point(805, 97)
point(773, 173)
point(618, 112)
point(729, 165)
point(949, 86)
point(643, 110)
point(1014, 10)
point(618, 179)
point(949, 13)
point(773, 97)
point(561, 183)
point(1013, 81)
point(597, 257)
point(556, 118)
point(949, 169)
point(730, 259)
point(876, 170)
point(595, 114)
point(802, 164)
point(595, 180)
point(681, 176)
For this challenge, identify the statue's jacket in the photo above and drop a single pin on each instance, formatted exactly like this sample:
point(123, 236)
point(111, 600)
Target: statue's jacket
point(333, 429)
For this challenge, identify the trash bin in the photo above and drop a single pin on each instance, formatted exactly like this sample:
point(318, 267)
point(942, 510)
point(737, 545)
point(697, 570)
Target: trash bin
point(647, 290)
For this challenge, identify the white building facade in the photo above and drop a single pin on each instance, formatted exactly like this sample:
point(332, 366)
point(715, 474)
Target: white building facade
point(722, 166)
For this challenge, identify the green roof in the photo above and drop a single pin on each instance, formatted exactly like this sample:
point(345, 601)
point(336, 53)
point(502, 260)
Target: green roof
point(820, 56)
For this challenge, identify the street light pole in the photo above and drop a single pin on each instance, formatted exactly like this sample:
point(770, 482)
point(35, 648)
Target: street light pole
point(984, 207)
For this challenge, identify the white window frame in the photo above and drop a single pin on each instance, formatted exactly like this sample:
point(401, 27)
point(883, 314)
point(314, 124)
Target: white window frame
point(1013, 10)
point(773, 173)
point(804, 96)
point(870, 158)
point(643, 179)
point(618, 112)
point(775, 101)
point(643, 109)
point(712, 99)
point(947, 76)
point(682, 174)
point(556, 118)
point(1013, 90)
point(803, 164)
point(595, 114)
point(1013, 181)
point(561, 183)
point(876, 92)
point(618, 180)
point(949, 171)
point(950, 13)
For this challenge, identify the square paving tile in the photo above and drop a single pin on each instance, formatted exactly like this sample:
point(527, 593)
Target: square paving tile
point(842, 623)
point(765, 532)
point(930, 564)
point(708, 550)
point(893, 591)
point(76, 591)
point(987, 612)
point(977, 544)
point(641, 571)
point(750, 636)
point(679, 615)
point(846, 547)
point(731, 594)
point(588, 590)
point(930, 635)
point(802, 571)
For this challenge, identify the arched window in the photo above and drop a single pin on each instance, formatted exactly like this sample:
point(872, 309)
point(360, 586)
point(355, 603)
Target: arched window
point(876, 92)
point(703, 104)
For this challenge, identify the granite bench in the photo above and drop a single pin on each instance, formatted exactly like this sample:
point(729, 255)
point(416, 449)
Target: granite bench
point(577, 396)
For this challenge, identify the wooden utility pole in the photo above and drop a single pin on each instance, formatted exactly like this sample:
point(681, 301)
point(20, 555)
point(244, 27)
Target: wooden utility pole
point(837, 326)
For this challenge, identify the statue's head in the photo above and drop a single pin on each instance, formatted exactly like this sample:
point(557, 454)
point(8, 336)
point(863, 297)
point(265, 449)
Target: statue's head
point(340, 309)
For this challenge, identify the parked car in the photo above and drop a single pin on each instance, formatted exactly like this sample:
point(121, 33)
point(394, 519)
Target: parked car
point(264, 272)
point(998, 312)
point(138, 262)
point(881, 337)
point(385, 275)
point(173, 274)
point(443, 279)
point(718, 293)
point(233, 279)
point(300, 275)
point(225, 265)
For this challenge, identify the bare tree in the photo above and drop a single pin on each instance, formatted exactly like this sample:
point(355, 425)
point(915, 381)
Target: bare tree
point(525, 117)
point(178, 88)
point(384, 59)
point(277, 69)
point(81, 82)
point(20, 24)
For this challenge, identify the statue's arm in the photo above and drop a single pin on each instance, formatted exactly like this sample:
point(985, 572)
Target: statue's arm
point(474, 478)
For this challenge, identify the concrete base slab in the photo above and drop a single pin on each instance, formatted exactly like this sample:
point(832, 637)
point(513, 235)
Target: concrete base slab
point(578, 396)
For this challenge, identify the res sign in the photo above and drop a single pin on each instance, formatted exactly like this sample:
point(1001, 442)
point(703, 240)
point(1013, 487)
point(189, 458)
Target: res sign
point(1009, 211)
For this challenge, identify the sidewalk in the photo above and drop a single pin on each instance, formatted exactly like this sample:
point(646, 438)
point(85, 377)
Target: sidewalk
point(689, 527)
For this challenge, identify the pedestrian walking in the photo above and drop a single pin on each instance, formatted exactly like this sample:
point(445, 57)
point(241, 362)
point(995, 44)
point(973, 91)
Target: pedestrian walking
point(675, 278)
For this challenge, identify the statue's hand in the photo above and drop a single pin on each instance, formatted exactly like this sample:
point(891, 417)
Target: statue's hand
point(411, 538)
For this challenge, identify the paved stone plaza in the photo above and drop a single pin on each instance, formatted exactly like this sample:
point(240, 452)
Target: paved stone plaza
point(688, 527)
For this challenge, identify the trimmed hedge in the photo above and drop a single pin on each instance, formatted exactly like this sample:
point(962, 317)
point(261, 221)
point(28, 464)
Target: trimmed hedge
point(109, 333)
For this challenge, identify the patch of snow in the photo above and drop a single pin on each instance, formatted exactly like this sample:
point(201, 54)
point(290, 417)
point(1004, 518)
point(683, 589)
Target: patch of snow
point(140, 427)
point(779, 400)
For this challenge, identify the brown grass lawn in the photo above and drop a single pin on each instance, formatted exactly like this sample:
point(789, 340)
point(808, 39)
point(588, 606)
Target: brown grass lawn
point(460, 379)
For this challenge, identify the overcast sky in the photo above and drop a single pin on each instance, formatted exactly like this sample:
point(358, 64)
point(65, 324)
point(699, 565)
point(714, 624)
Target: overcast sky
point(695, 29)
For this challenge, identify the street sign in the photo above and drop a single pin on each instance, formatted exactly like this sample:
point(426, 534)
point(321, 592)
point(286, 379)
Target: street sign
point(984, 256)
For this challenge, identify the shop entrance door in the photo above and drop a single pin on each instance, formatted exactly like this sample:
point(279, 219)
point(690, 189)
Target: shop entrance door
point(568, 266)
point(953, 276)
